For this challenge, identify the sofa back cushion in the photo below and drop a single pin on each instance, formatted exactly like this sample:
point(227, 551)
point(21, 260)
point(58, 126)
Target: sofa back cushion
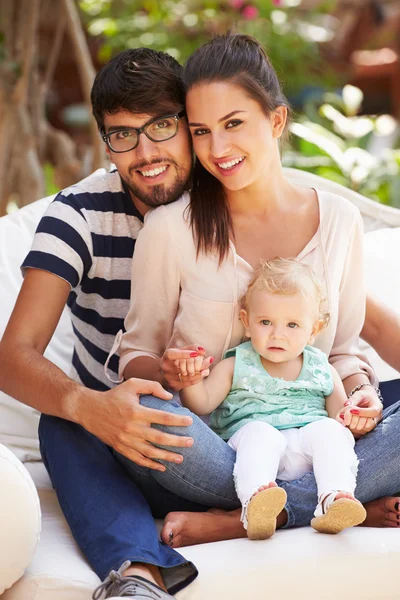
point(18, 423)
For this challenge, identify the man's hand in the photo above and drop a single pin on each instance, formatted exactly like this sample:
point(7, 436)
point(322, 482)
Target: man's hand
point(117, 418)
point(182, 367)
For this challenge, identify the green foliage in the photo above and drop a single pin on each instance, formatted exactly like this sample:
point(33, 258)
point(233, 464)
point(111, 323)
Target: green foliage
point(331, 141)
point(180, 26)
point(50, 185)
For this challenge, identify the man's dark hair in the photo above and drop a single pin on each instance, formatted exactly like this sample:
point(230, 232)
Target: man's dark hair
point(141, 81)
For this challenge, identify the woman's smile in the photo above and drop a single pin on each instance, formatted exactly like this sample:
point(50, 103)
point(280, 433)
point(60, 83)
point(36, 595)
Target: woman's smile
point(229, 166)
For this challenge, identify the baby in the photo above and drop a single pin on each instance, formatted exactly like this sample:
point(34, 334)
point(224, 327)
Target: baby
point(271, 399)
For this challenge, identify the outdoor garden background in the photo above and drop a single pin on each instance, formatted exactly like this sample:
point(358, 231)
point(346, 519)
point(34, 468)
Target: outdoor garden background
point(339, 61)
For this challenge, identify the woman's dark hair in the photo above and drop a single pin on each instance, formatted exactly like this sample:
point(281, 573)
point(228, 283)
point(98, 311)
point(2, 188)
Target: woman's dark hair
point(241, 60)
point(139, 80)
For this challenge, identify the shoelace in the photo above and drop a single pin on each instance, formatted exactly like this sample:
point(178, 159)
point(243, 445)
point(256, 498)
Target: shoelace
point(118, 585)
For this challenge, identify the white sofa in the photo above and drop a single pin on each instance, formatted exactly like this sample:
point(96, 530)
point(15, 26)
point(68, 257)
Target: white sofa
point(299, 563)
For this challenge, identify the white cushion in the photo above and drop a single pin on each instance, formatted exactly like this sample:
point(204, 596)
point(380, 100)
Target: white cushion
point(19, 519)
point(18, 423)
point(296, 563)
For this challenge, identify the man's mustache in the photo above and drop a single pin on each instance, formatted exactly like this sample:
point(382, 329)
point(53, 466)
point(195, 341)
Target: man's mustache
point(146, 165)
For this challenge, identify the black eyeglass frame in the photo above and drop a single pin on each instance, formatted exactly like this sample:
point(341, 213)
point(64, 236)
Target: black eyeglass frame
point(139, 130)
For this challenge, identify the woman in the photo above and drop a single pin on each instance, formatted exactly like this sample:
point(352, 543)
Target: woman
point(242, 209)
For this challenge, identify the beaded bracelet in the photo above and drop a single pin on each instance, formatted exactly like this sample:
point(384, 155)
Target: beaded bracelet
point(361, 385)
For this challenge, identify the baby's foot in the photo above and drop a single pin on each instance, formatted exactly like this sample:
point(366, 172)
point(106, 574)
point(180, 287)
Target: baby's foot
point(337, 511)
point(263, 510)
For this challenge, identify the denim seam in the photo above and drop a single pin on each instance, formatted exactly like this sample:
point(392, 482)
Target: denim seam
point(195, 487)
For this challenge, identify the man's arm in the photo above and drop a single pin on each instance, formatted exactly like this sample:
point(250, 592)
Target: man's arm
point(382, 331)
point(202, 398)
point(115, 416)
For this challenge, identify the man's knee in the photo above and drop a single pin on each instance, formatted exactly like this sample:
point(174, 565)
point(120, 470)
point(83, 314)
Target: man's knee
point(172, 406)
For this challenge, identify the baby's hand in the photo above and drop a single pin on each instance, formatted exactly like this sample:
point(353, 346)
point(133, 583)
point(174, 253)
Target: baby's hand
point(188, 367)
point(350, 417)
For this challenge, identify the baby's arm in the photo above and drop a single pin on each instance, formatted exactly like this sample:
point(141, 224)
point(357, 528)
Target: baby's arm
point(338, 398)
point(202, 398)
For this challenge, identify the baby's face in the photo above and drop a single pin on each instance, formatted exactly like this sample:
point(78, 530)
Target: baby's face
point(280, 326)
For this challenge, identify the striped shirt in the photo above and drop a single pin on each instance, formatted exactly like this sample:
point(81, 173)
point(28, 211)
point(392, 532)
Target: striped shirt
point(87, 237)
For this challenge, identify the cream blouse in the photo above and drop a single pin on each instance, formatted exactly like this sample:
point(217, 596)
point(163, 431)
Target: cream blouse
point(177, 300)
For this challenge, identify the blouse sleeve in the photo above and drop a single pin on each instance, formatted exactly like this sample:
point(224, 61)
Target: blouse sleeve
point(345, 355)
point(155, 291)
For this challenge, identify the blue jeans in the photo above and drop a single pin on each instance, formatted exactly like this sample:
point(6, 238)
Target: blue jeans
point(109, 504)
point(205, 476)
point(390, 391)
point(109, 518)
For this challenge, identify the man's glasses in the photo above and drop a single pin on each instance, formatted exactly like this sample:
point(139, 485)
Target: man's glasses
point(159, 129)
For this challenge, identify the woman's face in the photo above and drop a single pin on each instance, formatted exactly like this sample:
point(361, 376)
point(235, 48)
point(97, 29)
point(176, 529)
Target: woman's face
point(232, 137)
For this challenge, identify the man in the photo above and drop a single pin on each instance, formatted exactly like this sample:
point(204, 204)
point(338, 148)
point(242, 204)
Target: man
point(82, 255)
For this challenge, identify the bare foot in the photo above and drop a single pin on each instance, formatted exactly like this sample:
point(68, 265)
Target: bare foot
point(265, 487)
point(189, 528)
point(383, 512)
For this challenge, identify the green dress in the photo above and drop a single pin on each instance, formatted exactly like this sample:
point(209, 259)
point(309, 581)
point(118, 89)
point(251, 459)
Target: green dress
point(256, 396)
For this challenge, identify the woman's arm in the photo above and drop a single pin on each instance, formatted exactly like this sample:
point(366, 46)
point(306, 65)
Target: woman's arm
point(354, 370)
point(155, 293)
point(345, 355)
point(155, 289)
point(382, 331)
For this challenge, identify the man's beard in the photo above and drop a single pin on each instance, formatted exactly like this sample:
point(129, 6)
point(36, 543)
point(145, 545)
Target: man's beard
point(158, 195)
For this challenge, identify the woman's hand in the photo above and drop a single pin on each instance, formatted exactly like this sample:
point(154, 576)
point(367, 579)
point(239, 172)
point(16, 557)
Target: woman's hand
point(361, 412)
point(182, 367)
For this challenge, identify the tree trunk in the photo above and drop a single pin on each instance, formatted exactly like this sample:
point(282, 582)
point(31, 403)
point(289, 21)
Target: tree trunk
point(87, 75)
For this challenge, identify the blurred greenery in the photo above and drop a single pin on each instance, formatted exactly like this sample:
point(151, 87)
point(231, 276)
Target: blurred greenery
point(50, 185)
point(328, 137)
point(330, 140)
point(180, 26)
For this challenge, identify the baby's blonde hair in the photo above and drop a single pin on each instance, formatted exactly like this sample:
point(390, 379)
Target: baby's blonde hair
point(287, 276)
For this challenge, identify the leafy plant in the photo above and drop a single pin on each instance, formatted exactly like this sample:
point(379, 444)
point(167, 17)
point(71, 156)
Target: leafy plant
point(180, 26)
point(330, 140)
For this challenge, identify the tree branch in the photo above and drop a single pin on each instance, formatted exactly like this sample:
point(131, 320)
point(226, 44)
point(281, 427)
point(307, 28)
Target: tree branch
point(29, 25)
point(87, 74)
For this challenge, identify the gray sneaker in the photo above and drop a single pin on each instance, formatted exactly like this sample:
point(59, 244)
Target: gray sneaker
point(117, 586)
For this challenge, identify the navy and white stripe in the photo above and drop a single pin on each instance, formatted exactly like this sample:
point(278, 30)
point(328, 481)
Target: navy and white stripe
point(87, 237)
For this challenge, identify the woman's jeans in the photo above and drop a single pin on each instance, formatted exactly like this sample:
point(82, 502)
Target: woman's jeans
point(109, 501)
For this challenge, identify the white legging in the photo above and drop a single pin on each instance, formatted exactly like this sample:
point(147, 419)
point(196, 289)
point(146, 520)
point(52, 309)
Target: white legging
point(264, 454)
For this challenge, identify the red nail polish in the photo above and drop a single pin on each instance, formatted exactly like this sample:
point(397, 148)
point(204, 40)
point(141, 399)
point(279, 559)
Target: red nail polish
point(193, 354)
point(342, 416)
point(348, 403)
point(201, 349)
point(212, 360)
point(354, 411)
